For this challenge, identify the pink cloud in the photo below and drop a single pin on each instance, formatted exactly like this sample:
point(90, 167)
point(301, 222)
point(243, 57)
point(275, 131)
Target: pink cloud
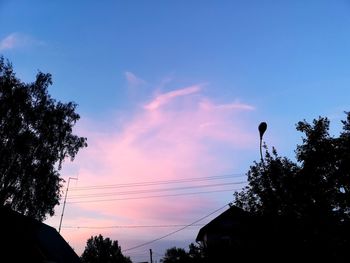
point(176, 135)
point(167, 97)
point(9, 42)
point(132, 79)
point(16, 40)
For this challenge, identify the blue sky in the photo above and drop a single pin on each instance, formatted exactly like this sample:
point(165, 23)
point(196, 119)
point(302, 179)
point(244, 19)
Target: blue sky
point(214, 70)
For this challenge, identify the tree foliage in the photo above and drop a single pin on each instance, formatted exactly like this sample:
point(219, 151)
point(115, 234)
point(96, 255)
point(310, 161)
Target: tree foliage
point(318, 184)
point(103, 250)
point(313, 191)
point(195, 253)
point(180, 255)
point(174, 254)
point(35, 138)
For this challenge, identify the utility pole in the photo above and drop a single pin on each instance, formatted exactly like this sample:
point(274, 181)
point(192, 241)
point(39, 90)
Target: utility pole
point(150, 254)
point(64, 203)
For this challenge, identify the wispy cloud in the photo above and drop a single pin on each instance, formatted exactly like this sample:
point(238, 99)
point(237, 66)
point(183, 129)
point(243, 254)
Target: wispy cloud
point(132, 79)
point(9, 42)
point(208, 105)
point(17, 40)
point(167, 97)
point(182, 140)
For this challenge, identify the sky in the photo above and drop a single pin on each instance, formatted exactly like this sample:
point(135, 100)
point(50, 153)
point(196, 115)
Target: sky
point(170, 95)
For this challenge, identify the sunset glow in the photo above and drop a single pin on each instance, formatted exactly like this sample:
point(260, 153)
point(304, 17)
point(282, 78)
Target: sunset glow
point(170, 95)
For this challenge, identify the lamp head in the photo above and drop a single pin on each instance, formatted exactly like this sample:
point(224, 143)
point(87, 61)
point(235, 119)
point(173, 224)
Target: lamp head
point(262, 128)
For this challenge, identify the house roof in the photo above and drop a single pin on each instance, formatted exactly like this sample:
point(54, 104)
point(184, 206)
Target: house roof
point(224, 220)
point(24, 238)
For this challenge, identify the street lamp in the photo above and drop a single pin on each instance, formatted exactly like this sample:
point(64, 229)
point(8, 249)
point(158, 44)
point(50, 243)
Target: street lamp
point(262, 128)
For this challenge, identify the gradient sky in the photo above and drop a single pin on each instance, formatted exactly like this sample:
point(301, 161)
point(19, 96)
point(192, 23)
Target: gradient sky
point(169, 90)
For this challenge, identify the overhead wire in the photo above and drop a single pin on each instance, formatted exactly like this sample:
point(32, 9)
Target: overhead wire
point(151, 190)
point(159, 182)
point(173, 232)
point(93, 193)
point(151, 196)
point(129, 226)
point(182, 181)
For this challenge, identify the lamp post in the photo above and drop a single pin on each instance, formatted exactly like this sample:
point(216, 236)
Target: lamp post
point(262, 128)
point(64, 203)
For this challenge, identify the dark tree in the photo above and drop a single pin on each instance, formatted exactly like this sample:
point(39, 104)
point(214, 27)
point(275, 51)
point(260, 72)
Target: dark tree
point(313, 192)
point(103, 250)
point(180, 255)
point(195, 253)
point(35, 138)
point(175, 255)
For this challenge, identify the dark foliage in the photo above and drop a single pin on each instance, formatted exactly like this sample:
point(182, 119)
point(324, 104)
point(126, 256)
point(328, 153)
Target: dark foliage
point(308, 201)
point(174, 254)
point(195, 253)
point(180, 255)
point(35, 138)
point(103, 250)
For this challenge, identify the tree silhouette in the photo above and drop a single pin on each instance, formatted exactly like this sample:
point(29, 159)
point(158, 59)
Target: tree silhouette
point(35, 138)
point(103, 250)
point(311, 194)
point(176, 255)
point(195, 253)
point(179, 255)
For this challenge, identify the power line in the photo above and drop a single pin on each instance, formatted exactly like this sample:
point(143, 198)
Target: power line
point(135, 226)
point(171, 233)
point(151, 190)
point(139, 254)
point(147, 183)
point(152, 196)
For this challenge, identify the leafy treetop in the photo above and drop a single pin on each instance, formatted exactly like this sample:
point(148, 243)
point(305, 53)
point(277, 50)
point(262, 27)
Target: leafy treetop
point(316, 186)
point(103, 250)
point(35, 138)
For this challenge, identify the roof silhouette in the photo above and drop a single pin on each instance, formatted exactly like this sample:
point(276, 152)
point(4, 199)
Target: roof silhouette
point(28, 240)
